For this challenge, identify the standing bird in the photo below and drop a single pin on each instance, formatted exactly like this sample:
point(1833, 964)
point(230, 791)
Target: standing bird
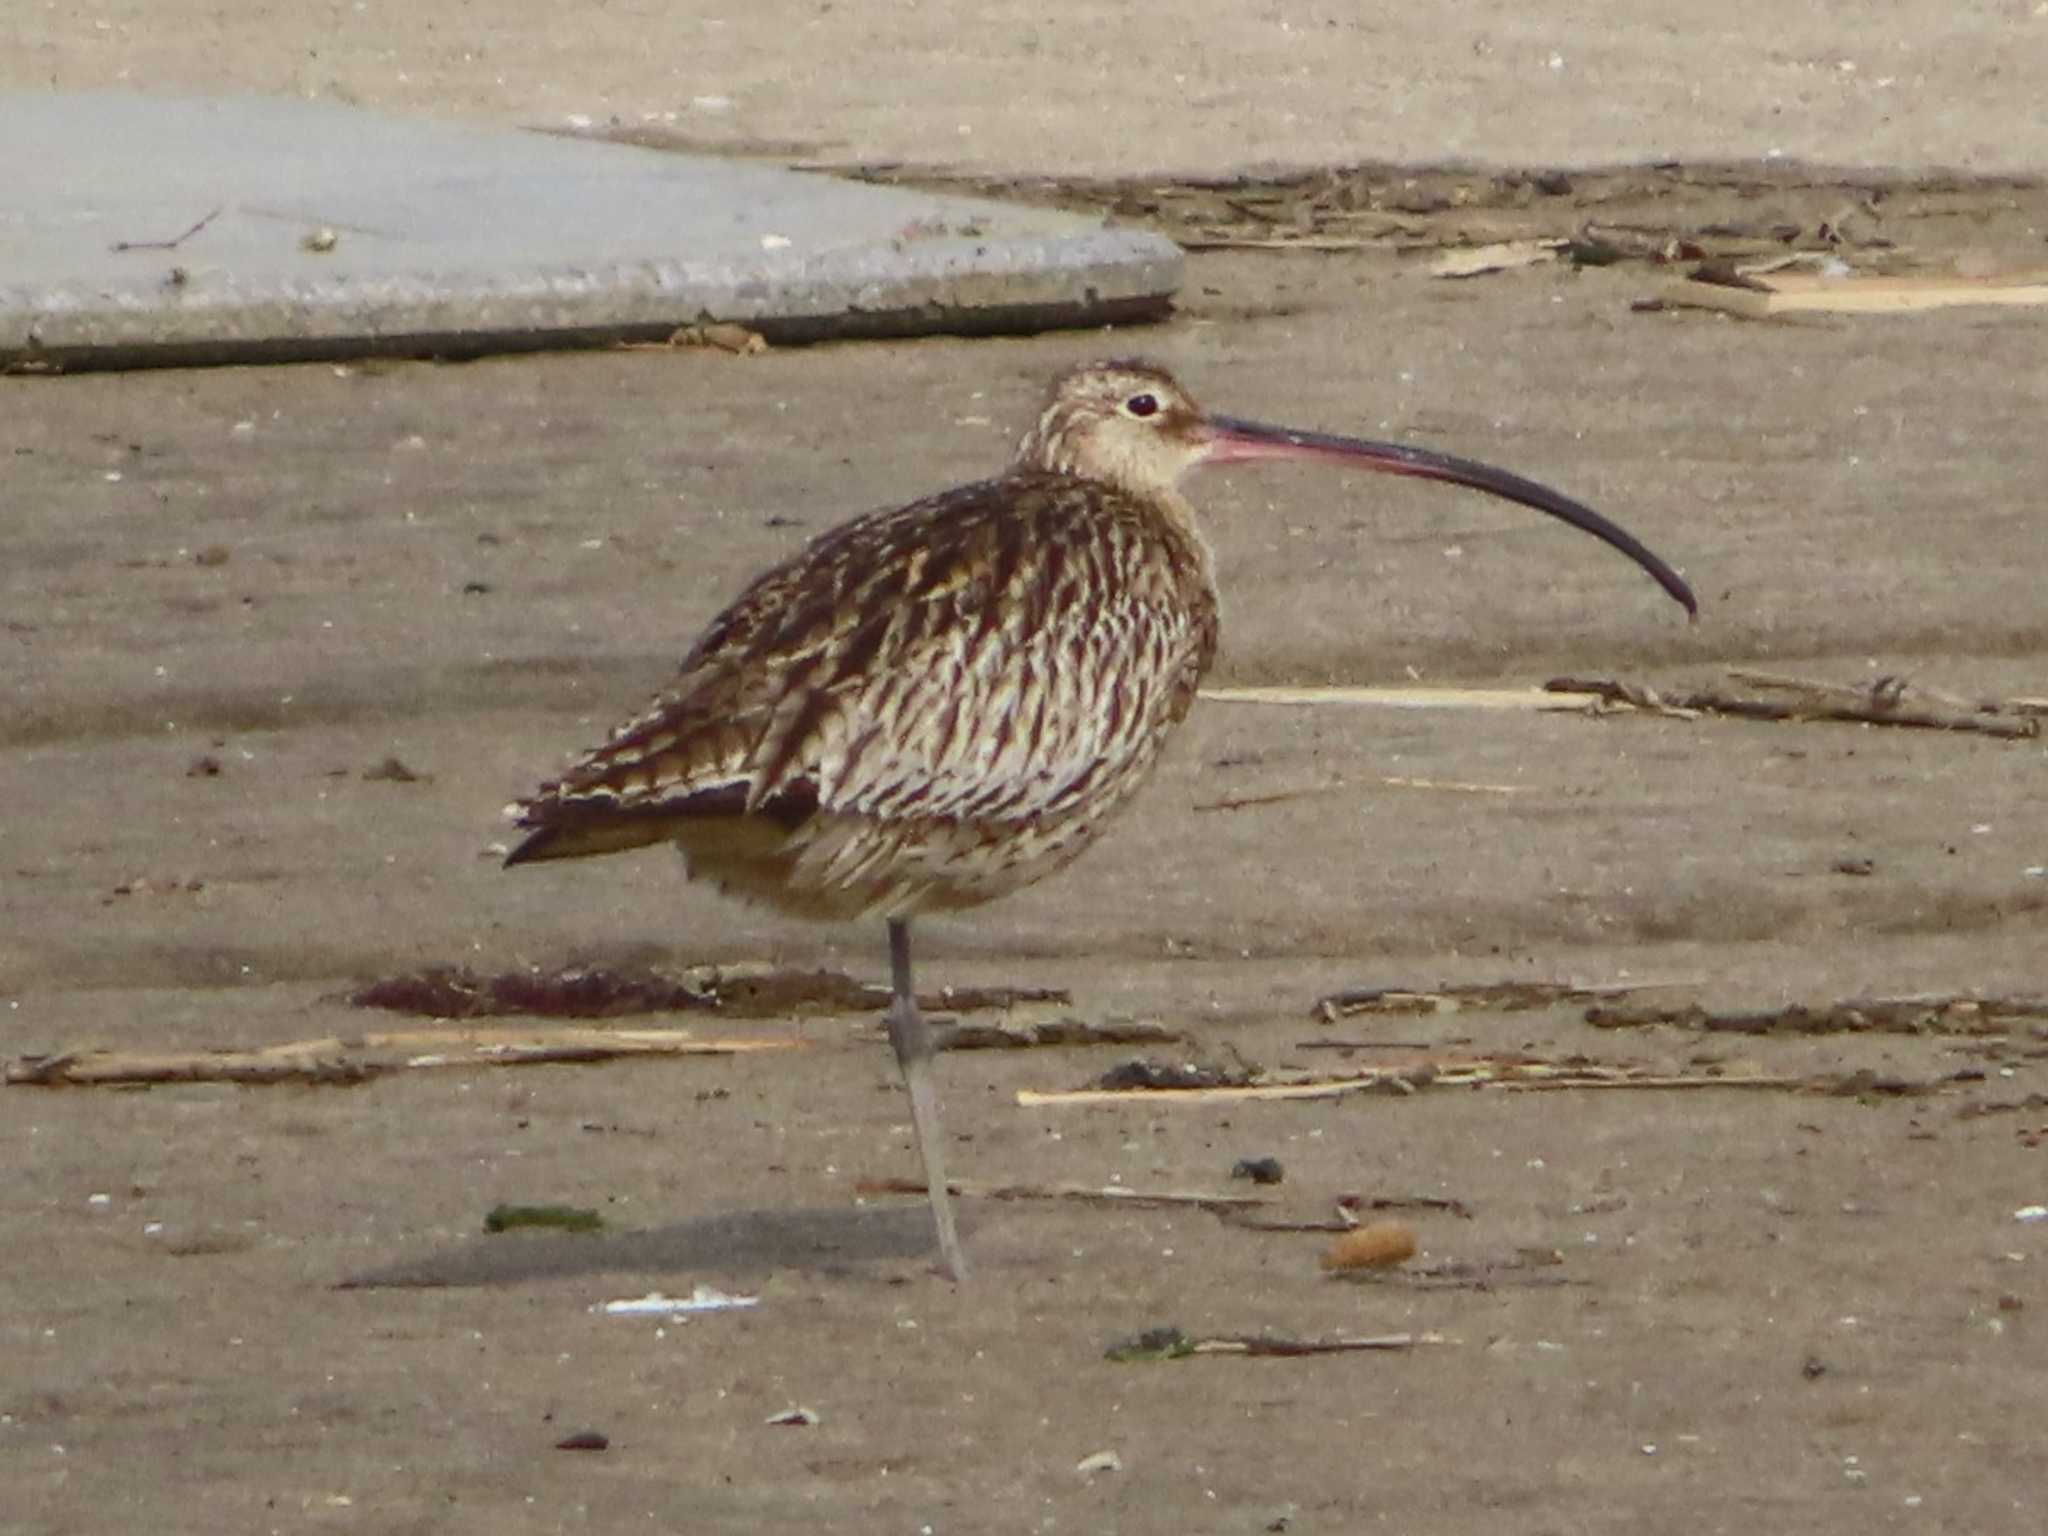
point(934, 705)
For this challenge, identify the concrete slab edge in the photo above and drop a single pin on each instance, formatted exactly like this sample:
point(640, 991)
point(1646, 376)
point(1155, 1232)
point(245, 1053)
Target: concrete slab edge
point(182, 316)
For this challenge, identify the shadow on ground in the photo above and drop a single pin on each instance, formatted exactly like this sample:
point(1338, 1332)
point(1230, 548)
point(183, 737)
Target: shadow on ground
point(827, 1239)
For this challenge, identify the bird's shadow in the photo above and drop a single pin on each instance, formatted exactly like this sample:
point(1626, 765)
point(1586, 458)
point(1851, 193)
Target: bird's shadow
point(824, 1239)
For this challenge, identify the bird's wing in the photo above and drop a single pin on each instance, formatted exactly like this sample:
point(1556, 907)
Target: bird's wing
point(986, 654)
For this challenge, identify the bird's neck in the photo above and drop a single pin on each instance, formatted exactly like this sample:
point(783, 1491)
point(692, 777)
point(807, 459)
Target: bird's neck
point(1179, 515)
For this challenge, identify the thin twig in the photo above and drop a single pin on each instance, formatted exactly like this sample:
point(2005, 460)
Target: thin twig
point(1345, 1221)
point(1277, 797)
point(1442, 786)
point(1284, 243)
point(1095, 1194)
point(166, 245)
point(1172, 1344)
point(1348, 1044)
point(1527, 1271)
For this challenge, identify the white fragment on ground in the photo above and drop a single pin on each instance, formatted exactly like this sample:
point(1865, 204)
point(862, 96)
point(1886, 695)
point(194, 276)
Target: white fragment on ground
point(2031, 1213)
point(1478, 260)
point(704, 1298)
point(802, 1418)
point(1101, 1461)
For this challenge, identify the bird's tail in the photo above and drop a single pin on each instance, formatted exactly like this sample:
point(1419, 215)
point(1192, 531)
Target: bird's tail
point(573, 825)
point(570, 839)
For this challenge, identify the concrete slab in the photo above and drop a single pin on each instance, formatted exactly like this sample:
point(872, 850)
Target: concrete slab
point(310, 229)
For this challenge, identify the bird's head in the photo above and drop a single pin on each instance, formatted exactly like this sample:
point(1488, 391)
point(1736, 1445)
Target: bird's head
point(1125, 422)
point(1130, 424)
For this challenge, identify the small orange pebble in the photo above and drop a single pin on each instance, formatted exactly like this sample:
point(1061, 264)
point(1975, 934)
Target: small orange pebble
point(1377, 1245)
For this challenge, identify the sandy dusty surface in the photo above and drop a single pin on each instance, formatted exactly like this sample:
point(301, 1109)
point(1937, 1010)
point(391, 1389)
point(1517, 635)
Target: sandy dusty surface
point(1770, 1311)
point(1027, 85)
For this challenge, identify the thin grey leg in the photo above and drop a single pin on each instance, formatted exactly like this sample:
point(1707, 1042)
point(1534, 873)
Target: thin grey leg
point(912, 1038)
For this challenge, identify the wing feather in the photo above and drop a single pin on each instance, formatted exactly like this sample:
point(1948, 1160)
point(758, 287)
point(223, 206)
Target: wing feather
point(985, 655)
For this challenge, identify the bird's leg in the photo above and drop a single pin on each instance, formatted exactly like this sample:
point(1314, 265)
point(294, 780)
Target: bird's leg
point(912, 1037)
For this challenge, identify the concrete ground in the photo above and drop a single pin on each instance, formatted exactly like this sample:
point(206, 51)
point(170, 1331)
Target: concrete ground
point(149, 230)
point(1027, 86)
point(231, 594)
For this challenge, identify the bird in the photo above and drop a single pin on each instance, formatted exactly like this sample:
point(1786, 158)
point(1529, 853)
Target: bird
point(933, 705)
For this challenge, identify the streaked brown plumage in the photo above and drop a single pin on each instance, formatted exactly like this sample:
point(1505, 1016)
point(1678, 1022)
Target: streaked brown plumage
point(931, 706)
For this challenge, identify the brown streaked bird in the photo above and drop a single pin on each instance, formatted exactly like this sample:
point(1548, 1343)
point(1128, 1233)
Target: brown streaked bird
point(933, 705)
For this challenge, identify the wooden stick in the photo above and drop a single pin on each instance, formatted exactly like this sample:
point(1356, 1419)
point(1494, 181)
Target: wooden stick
point(1345, 1221)
point(1404, 1078)
point(1032, 1098)
point(358, 1058)
point(1459, 786)
point(1887, 692)
point(1803, 293)
point(1520, 1074)
point(1883, 703)
point(1407, 698)
point(1490, 996)
point(1887, 701)
point(1796, 292)
point(1478, 260)
point(1215, 242)
point(1254, 1344)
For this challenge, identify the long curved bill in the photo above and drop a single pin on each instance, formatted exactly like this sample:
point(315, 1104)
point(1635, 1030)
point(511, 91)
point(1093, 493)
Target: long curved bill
point(1231, 440)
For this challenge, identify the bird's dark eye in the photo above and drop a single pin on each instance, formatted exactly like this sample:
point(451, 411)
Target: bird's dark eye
point(1142, 405)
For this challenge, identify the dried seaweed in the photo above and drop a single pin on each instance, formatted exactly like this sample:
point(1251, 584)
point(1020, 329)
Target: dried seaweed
point(456, 992)
point(598, 992)
point(1153, 1075)
point(1019, 1030)
point(560, 1218)
point(1924, 1014)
